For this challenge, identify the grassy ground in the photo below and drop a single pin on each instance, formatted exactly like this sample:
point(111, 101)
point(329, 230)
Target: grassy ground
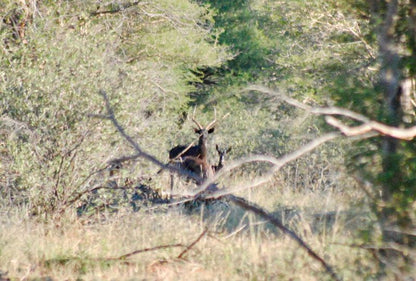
point(237, 246)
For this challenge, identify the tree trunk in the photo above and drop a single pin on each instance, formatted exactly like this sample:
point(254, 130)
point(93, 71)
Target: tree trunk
point(389, 84)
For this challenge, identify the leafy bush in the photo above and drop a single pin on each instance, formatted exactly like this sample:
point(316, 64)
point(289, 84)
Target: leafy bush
point(141, 54)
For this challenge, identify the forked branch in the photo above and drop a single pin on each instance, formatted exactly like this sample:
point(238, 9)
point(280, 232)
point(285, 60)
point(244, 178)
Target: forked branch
point(139, 152)
point(277, 164)
point(367, 126)
point(373, 126)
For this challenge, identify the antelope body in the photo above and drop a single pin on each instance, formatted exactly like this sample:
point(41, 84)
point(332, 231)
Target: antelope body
point(182, 151)
point(195, 158)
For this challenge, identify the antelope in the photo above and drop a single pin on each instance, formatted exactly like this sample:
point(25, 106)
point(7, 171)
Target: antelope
point(182, 151)
point(195, 158)
point(221, 153)
point(199, 167)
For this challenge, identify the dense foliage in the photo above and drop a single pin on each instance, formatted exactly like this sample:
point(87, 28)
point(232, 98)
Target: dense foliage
point(55, 58)
point(157, 60)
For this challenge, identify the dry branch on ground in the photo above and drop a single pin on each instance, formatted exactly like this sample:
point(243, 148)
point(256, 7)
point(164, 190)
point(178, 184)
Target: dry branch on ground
point(204, 187)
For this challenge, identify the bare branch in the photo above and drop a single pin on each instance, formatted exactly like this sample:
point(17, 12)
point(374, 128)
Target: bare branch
point(367, 126)
point(313, 110)
point(276, 222)
point(140, 152)
point(398, 133)
point(348, 131)
point(122, 257)
point(193, 243)
point(183, 151)
point(276, 162)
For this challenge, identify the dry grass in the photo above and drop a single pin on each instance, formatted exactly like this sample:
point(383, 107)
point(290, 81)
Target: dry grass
point(238, 246)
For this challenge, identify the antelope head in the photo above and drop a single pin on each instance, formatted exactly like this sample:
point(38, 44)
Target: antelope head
point(204, 131)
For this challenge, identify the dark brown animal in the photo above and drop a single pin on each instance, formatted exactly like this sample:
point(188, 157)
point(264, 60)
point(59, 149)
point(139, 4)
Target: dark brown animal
point(182, 151)
point(195, 158)
point(198, 166)
point(222, 153)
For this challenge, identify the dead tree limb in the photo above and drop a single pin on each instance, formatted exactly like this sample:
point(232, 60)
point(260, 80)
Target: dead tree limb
point(382, 129)
point(277, 164)
point(139, 152)
point(367, 125)
point(122, 257)
point(180, 256)
point(276, 222)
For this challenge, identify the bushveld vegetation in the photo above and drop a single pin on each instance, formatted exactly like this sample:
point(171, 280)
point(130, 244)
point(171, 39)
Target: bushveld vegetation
point(315, 98)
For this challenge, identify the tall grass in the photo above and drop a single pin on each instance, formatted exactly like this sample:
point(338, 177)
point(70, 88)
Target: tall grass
point(238, 246)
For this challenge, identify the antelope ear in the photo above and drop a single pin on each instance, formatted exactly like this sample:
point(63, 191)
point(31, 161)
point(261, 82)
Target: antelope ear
point(228, 150)
point(210, 131)
point(197, 131)
point(217, 148)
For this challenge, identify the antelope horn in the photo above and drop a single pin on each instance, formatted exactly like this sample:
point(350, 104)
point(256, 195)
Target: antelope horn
point(196, 122)
point(213, 122)
point(225, 116)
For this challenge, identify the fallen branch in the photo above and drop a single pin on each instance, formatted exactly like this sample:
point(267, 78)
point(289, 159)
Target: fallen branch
point(277, 164)
point(180, 256)
point(64, 260)
point(276, 222)
point(122, 257)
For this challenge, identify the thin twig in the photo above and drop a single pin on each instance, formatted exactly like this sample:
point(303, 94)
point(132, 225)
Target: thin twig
point(122, 257)
point(76, 195)
point(183, 151)
point(333, 110)
point(80, 194)
point(236, 231)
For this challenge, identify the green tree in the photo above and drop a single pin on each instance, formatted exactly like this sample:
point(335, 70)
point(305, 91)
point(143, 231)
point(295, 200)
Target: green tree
point(241, 26)
point(55, 57)
point(388, 163)
point(395, 32)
